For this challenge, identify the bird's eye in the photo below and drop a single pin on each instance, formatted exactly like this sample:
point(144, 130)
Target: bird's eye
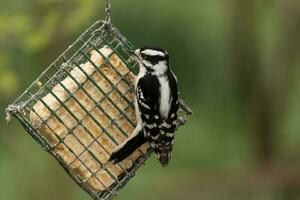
point(144, 56)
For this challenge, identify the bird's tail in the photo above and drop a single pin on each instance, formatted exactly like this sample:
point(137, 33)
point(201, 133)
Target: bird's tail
point(164, 155)
point(136, 140)
point(164, 158)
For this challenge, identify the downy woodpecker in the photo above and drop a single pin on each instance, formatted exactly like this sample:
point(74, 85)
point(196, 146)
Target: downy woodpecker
point(156, 106)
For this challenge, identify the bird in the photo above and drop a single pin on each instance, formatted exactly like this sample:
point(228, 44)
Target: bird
point(156, 106)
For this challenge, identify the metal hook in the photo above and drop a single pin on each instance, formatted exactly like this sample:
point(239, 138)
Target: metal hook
point(108, 11)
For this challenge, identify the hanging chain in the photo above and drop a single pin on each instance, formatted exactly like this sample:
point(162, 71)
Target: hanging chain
point(108, 11)
point(108, 22)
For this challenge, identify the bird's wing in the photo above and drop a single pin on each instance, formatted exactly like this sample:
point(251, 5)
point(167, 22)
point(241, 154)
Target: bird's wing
point(158, 131)
point(147, 99)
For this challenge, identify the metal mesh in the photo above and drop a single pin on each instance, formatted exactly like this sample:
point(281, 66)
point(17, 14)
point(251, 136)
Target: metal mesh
point(81, 108)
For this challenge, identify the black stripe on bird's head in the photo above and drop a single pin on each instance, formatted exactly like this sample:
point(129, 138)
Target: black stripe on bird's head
point(152, 58)
point(153, 54)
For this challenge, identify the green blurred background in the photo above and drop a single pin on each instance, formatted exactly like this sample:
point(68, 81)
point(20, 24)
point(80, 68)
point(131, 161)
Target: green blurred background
point(238, 63)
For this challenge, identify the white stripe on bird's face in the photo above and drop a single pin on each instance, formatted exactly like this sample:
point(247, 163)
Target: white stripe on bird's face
point(152, 52)
point(160, 68)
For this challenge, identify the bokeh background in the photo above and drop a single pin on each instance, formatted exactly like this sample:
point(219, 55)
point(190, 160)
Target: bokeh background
point(238, 65)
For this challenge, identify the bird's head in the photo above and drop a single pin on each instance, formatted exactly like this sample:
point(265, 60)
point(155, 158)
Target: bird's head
point(152, 59)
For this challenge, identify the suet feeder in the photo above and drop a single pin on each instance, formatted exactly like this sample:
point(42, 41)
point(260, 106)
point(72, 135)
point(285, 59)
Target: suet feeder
point(82, 107)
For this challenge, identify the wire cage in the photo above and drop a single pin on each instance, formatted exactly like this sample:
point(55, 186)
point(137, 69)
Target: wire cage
point(82, 107)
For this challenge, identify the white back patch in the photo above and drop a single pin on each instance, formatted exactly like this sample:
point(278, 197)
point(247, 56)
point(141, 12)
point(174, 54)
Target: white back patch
point(165, 96)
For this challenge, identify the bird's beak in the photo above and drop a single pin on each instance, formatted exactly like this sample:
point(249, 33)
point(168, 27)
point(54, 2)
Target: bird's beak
point(133, 53)
point(130, 52)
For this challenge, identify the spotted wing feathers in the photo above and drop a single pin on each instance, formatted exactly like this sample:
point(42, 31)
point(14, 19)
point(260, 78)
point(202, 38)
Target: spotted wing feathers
point(158, 130)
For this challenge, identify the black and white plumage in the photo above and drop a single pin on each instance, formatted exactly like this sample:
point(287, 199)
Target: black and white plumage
point(156, 106)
